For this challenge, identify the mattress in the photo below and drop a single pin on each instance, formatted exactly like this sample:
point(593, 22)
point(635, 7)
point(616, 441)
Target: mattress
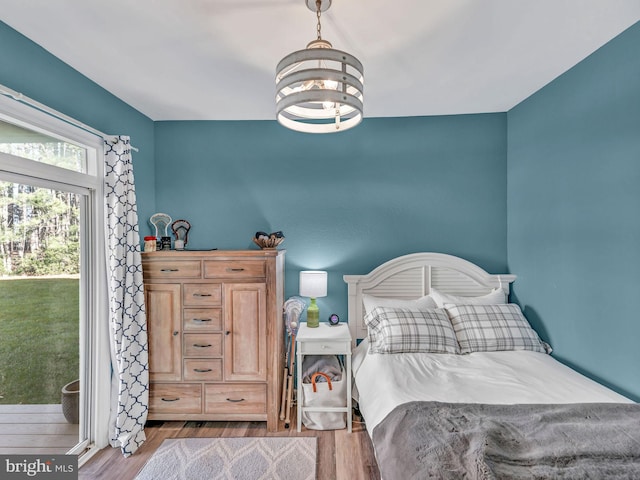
point(384, 381)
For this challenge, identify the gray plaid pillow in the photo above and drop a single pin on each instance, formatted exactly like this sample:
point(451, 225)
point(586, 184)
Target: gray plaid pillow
point(403, 330)
point(490, 328)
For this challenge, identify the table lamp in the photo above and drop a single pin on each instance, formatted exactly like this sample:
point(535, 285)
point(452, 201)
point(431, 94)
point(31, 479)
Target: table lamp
point(313, 284)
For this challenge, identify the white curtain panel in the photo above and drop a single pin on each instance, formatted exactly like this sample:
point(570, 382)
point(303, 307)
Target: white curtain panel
point(127, 316)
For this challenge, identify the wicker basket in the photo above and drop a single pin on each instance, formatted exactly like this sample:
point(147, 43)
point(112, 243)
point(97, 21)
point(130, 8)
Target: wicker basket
point(268, 241)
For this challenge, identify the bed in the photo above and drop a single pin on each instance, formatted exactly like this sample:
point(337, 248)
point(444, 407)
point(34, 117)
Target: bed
point(489, 403)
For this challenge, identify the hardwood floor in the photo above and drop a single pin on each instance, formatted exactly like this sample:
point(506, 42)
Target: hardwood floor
point(35, 429)
point(341, 455)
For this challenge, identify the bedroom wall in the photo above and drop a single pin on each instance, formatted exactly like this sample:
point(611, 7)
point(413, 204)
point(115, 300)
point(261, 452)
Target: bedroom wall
point(29, 69)
point(346, 202)
point(573, 223)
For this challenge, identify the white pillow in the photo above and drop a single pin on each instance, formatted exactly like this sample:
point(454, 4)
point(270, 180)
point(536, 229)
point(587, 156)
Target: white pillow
point(492, 328)
point(403, 330)
point(494, 297)
point(423, 303)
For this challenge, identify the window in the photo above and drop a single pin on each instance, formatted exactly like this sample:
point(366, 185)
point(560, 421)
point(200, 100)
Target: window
point(27, 143)
point(51, 215)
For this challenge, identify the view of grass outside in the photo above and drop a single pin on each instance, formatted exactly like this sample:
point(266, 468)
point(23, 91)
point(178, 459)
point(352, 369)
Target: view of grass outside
point(39, 291)
point(39, 330)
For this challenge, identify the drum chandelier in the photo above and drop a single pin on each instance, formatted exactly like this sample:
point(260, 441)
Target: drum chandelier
point(319, 89)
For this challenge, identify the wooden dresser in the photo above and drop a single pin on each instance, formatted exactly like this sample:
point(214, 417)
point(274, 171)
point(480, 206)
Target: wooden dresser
point(215, 334)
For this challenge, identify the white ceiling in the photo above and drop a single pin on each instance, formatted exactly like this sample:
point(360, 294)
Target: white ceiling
point(215, 59)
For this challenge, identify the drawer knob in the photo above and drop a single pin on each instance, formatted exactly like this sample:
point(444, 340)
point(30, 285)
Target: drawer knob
point(168, 270)
point(227, 332)
point(235, 269)
point(201, 345)
point(235, 400)
point(201, 320)
point(325, 346)
point(170, 399)
point(175, 334)
point(201, 294)
point(202, 370)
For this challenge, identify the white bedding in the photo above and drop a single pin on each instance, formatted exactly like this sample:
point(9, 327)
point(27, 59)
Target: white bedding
point(384, 381)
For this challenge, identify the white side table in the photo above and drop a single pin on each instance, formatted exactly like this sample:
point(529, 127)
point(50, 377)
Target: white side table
point(324, 340)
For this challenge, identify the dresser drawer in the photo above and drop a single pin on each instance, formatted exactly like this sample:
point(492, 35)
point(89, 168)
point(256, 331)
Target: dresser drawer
point(203, 370)
point(171, 269)
point(202, 344)
point(175, 398)
point(201, 319)
point(234, 269)
point(235, 398)
point(201, 294)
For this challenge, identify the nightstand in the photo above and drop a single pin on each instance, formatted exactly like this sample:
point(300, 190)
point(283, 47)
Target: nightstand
point(324, 340)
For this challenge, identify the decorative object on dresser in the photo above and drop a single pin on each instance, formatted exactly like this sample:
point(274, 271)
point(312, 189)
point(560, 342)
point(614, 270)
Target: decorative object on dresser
point(160, 222)
point(150, 243)
point(313, 284)
point(215, 334)
point(181, 229)
point(268, 240)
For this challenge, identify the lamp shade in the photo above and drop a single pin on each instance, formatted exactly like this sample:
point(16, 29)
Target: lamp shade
point(313, 283)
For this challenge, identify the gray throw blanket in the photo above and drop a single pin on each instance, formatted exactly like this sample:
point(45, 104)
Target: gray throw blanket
point(420, 440)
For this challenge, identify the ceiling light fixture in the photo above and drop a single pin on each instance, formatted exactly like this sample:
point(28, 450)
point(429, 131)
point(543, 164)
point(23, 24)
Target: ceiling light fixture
point(319, 89)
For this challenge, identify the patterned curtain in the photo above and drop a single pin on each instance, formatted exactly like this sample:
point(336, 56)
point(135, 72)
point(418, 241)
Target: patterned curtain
point(127, 316)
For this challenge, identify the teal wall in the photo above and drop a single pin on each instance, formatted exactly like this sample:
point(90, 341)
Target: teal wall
point(573, 212)
point(29, 69)
point(345, 202)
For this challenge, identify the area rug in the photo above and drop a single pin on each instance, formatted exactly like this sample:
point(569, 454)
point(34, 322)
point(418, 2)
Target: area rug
point(243, 458)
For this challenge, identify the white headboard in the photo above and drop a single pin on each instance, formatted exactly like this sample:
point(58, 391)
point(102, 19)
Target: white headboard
point(413, 276)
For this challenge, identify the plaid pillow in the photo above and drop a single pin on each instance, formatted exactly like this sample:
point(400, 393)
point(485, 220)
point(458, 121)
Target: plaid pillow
point(403, 330)
point(491, 328)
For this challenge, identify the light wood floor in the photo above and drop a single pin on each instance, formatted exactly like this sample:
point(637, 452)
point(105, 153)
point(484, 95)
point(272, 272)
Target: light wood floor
point(341, 455)
point(35, 429)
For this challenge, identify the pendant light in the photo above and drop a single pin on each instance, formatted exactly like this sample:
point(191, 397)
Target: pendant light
point(319, 89)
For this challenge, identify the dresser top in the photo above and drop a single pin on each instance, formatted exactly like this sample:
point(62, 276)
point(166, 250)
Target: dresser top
point(164, 254)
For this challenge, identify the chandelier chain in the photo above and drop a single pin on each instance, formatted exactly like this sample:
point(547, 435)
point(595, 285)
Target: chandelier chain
point(318, 26)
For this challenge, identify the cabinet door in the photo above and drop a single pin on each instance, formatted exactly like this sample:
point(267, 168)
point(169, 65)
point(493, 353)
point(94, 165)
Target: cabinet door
point(245, 339)
point(163, 325)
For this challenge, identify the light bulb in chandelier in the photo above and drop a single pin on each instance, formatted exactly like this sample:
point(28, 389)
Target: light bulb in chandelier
point(319, 89)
